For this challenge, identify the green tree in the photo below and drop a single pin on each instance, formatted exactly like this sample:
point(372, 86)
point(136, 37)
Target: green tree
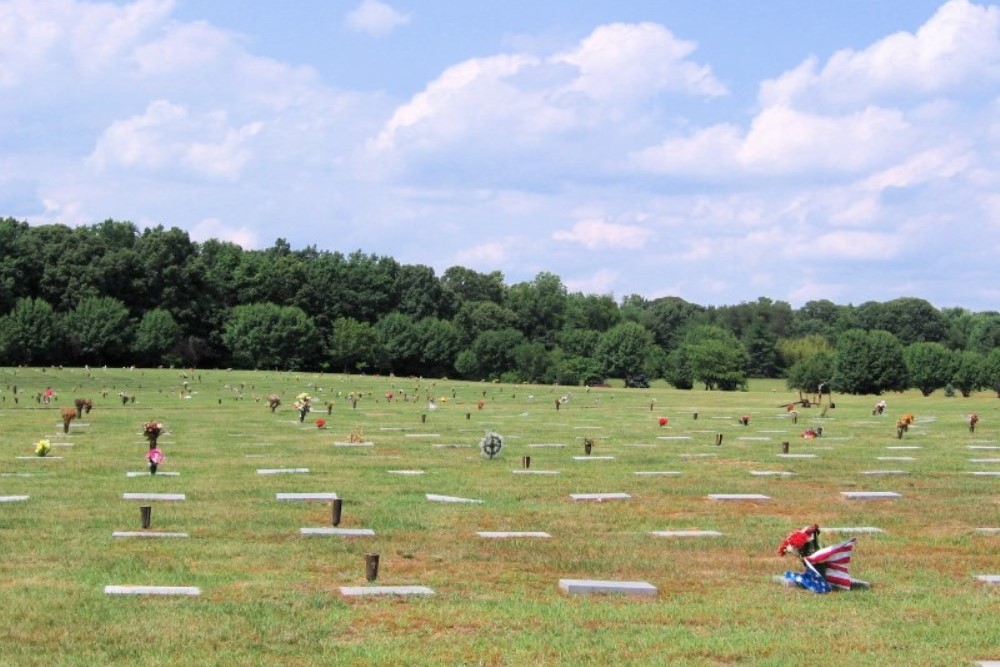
point(353, 345)
point(677, 370)
point(399, 344)
point(969, 373)
point(98, 331)
point(761, 346)
point(540, 306)
point(807, 374)
point(420, 293)
point(30, 334)
point(793, 350)
point(929, 366)
point(476, 317)
point(909, 319)
point(715, 358)
point(266, 335)
point(532, 362)
point(622, 350)
point(869, 362)
point(467, 285)
point(591, 311)
point(491, 354)
point(668, 318)
point(157, 334)
point(993, 370)
point(439, 346)
point(984, 335)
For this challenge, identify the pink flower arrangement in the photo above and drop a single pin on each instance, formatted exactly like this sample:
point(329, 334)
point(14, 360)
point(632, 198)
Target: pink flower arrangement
point(809, 434)
point(155, 457)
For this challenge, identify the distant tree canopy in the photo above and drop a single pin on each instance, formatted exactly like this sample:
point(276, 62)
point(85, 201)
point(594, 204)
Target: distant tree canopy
point(110, 293)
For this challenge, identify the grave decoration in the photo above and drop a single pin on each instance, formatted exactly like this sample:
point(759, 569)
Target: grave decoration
point(809, 433)
point(745, 420)
point(83, 405)
point(273, 401)
point(43, 447)
point(154, 457)
point(303, 403)
point(664, 421)
point(320, 423)
point(152, 432)
point(973, 420)
point(68, 415)
point(491, 444)
point(826, 568)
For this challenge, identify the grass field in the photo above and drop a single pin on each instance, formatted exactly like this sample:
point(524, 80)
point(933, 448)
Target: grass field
point(271, 596)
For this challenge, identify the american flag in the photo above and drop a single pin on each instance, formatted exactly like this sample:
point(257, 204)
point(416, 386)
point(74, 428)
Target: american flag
point(837, 560)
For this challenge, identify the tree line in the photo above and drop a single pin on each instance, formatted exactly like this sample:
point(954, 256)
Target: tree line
point(111, 294)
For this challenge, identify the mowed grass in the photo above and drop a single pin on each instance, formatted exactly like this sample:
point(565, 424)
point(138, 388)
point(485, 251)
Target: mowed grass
point(271, 596)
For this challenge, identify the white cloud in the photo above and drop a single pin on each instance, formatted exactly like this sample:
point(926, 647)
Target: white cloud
point(600, 282)
point(212, 228)
point(489, 255)
point(595, 234)
point(167, 135)
point(624, 62)
point(782, 140)
point(546, 109)
point(375, 18)
point(957, 47)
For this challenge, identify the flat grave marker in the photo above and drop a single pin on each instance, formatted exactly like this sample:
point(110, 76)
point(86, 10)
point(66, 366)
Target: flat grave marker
point(593, 458)
point(991, 579)
point(39, 458)
point(984, 460)
point(405, 472)
point(502, 535)
point(170, 497)
point(307, 497)
point(599, 497)
point(796, 456)
point(884, 472)
point(341, 532)
point(870, 495)
point(772, 473)
point(656, 473)
point(366, 443)
point(282, 471)
point(737, 496)
point(146, 533)
point(894, 458)
point(152, 590)
point(521, 471)
point(398, 591)
point(146, 473)
point(685, 533)
point(986, 473)
point(988, 531)
point(13, 499)
point(592, 586)
point(435, 498)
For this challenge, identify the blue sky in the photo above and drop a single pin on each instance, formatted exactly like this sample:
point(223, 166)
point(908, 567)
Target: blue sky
point(717, 151)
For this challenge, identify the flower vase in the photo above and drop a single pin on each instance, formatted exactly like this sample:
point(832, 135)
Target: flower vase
point(152, 468)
